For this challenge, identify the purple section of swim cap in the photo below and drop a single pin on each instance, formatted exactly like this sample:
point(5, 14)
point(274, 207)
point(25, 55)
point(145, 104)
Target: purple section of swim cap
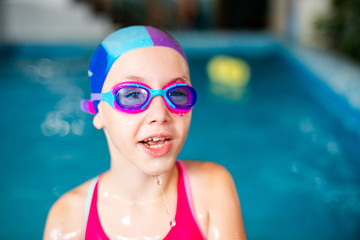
point(163, 39)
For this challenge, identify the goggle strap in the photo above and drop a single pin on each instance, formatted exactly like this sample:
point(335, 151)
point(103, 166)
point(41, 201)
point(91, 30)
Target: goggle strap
point(107, 97)
point(95, 96)
point(87, 106)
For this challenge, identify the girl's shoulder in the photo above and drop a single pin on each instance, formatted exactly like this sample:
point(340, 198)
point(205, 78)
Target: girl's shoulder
point(209, 183)
point(67, 214)
point(209, 173)
point(214, 195)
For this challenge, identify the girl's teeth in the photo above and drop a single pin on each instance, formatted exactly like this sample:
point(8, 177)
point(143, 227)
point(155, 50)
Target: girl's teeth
point(155, 139)
point(156, 146)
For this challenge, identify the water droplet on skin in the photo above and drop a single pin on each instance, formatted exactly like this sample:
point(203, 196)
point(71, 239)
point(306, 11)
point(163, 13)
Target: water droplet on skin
point(172, 223)
point(158, 180)
point(181, 114)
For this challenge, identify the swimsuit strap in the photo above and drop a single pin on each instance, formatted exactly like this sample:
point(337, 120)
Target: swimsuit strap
point(186, 226)
point(88, 203)
point(185, 178)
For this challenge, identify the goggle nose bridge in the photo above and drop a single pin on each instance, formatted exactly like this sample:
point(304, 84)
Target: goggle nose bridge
point(154, 93)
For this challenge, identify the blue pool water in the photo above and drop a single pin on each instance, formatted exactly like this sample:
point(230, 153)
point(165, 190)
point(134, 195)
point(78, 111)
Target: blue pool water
point(295, 161)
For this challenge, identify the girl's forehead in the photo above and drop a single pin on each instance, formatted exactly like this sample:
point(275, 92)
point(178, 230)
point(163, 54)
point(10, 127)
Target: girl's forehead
point(149, 65)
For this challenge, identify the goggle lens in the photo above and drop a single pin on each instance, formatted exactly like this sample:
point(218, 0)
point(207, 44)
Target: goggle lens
point(131, 97)
point(181, 96)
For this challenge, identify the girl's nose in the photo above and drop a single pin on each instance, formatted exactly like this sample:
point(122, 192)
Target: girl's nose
point(158, 111)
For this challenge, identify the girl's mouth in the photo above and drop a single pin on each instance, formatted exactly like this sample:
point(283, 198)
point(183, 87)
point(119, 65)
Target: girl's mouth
point(156, 146)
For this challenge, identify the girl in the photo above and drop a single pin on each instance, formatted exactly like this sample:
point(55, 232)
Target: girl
point(142, 99)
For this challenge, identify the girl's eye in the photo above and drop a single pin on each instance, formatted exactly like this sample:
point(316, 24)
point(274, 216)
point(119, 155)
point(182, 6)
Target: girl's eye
point(179, 96)
point(178, 93)
point(131, 96)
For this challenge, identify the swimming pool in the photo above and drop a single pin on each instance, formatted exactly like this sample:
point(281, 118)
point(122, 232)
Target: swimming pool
point(287, 140)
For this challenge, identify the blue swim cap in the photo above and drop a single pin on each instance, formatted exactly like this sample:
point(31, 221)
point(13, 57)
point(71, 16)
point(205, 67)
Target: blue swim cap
point(115, 45)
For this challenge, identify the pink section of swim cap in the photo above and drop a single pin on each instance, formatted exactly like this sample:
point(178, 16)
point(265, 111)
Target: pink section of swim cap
point(162, 39)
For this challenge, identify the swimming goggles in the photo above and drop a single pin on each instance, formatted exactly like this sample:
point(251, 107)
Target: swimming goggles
point(134, 97)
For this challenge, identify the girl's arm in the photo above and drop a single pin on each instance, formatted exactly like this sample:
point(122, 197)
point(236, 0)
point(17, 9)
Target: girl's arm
point(66, 217)
point(216, 201)
point(225, 219)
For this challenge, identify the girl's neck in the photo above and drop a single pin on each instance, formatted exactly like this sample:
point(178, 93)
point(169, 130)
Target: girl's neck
point(131, 184)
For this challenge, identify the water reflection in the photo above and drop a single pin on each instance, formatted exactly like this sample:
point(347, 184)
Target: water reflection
point(66, 116)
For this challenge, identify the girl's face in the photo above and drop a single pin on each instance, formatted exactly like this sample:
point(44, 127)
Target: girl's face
point(150, 140)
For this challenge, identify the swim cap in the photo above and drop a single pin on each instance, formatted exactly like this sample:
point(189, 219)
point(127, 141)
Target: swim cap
point(115, 45)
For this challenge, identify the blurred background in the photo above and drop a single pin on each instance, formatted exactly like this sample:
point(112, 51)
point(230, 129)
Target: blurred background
point(279, 105)
point(325, 23)
point(86, 20)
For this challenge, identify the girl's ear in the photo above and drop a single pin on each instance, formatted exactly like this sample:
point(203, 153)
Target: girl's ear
point(97, 121)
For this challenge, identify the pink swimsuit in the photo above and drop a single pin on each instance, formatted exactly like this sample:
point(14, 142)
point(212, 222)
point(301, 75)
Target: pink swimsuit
point(186, 225)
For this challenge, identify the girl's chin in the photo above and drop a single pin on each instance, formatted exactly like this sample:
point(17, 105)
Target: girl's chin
point(158, 167)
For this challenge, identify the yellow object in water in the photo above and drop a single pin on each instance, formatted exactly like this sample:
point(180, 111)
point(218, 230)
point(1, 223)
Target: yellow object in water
point(228, 76)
